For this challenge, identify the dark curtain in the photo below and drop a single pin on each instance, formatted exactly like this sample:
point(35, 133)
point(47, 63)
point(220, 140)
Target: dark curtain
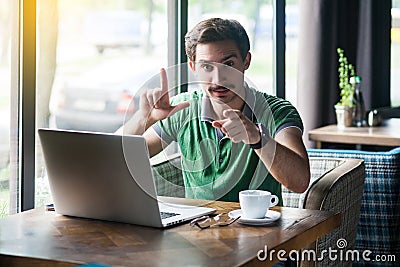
point(362, 29)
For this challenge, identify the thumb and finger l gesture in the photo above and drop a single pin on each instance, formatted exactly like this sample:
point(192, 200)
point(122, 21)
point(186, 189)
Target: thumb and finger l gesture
point(158, 101)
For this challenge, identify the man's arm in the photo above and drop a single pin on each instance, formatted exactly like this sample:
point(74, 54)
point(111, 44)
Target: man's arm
point(287, 159)
point(154, 142)
point(137, 126)
point(285, 156)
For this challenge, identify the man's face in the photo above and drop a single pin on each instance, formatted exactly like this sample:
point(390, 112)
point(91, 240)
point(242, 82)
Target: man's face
point(220, 69)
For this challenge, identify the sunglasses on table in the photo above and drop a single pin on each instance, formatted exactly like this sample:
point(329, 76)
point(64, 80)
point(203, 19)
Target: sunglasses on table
point(222, 219)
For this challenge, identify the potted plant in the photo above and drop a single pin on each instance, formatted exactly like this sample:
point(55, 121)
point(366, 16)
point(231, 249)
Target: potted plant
point(344, 108)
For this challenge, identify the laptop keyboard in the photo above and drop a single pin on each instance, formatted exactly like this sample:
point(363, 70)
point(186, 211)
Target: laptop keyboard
point(165, 215)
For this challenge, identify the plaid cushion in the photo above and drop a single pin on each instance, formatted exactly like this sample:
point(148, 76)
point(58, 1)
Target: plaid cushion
point(168, 177)
point(379, 225)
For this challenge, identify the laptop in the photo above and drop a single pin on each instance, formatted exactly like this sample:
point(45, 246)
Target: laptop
point(107, 177)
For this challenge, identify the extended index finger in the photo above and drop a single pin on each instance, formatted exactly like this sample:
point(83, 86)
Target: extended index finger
point(164, 84)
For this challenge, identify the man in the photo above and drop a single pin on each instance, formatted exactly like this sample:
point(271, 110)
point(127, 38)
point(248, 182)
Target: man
point(231, 136)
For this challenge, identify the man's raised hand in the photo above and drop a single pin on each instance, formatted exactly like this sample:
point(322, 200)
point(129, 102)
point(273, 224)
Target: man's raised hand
point(155, 104)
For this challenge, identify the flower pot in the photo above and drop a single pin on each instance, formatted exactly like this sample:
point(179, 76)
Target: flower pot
point(344, 116)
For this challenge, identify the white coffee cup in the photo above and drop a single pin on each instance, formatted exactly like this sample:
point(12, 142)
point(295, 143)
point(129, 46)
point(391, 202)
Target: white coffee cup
point(255, 203)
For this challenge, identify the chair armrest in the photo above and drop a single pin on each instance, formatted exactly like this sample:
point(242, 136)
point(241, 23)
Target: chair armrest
point(324, 191)
point(338, 190)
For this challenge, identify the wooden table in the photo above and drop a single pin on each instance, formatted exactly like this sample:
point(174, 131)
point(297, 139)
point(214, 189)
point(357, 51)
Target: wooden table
point(386, 135)
point(45, 238)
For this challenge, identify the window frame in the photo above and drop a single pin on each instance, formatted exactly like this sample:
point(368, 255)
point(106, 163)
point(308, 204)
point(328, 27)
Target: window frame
point(27, 105)
point(279, 46)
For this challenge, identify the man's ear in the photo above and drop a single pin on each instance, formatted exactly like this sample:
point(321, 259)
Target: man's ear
point(192, 66)
point(247, 61)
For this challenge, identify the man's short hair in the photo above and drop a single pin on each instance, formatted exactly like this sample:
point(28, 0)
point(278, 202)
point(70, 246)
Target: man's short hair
point(214, 30)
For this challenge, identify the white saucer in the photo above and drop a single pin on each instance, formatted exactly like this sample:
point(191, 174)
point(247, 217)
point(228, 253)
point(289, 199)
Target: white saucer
point(270, 217)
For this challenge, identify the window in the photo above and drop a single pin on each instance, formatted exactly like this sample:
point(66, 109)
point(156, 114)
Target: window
point(291, 53)
point(8, 33)
point(93, 56)
point(5, 75)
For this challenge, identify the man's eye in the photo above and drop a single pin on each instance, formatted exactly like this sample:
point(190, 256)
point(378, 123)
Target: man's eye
point(207, 67)
point(229, 63)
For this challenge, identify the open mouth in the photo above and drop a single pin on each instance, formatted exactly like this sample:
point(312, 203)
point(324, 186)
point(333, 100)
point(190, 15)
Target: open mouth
point(219, 89)
point(219, 92)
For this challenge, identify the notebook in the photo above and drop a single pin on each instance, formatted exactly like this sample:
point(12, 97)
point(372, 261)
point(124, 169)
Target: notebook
point(107, 177)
